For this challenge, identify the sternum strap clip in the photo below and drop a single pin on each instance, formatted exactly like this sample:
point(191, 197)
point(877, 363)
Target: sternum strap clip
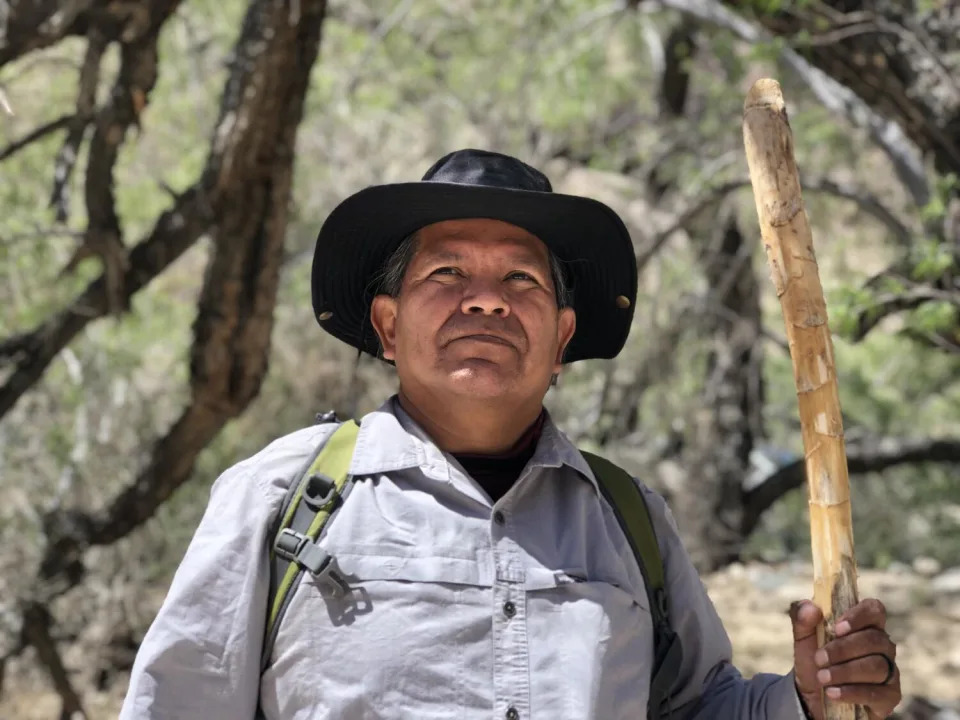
point(300, 549)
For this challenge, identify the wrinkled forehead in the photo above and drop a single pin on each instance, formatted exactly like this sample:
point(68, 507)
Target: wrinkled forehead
point(480, 238)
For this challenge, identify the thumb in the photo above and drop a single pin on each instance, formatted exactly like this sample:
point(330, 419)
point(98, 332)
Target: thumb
point(805, 617)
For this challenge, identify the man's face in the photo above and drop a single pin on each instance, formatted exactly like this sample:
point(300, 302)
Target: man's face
point(477, 313)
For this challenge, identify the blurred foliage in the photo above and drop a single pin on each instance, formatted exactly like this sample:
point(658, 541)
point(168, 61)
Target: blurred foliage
point(568, 85)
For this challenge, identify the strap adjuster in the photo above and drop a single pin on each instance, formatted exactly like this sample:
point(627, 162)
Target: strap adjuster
point(288, 544)
point(300, 549)
point(319, 491)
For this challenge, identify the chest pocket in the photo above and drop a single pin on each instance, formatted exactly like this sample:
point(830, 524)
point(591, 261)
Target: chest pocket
point(593, 641)
point(410, 637)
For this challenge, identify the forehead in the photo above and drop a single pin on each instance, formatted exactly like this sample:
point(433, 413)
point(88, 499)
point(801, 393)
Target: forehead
point(480, 237)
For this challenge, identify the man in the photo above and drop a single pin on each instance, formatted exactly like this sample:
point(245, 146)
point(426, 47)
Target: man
point(486, 575)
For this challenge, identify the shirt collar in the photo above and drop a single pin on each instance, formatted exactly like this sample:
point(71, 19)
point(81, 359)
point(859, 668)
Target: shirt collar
point(555, 450)
point(390, 440)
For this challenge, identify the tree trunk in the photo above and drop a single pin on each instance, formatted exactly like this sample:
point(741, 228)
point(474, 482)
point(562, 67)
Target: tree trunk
point(241, 201)
point(725, 426)
point(246, 186)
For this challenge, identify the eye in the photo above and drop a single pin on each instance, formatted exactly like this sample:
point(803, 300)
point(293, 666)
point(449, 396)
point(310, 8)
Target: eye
point(446, 270)
point(521, 275)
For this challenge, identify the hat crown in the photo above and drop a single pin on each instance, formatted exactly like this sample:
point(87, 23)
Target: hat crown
point(481, 167)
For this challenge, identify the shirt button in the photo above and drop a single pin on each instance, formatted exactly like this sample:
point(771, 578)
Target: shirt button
point(512, 714)
point(509, 609)
point(498, 518)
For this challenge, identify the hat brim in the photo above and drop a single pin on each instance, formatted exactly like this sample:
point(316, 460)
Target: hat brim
point(587, 236)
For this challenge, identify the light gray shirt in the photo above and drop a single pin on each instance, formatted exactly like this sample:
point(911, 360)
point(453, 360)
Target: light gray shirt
point(423, 632)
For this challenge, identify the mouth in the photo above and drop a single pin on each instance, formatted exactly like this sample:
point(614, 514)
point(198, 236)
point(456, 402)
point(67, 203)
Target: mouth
point(484, 338)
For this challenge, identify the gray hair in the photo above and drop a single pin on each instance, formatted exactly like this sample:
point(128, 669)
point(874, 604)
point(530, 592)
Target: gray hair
point(390, 279)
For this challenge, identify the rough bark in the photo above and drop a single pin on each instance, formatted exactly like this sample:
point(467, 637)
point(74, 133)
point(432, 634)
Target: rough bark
point(86, 102)
point(246, 186)
point(241, 201)
point(122, 275)
point(789, 245)
point(30, 25)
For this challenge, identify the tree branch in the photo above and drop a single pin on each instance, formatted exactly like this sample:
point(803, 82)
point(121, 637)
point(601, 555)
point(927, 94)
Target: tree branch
point(38, 134)
point(938, 340)
point(686, 216)
point(39, 24)
point(887, 134)
point(15, 346)
point(175, 231)
point(888, 304)
point(866, 201)
point(249, 177)
point(37, 623)
point(862, 457)
point(86, 99)
point(910, 79)
point(36, 24)
point(135, 80)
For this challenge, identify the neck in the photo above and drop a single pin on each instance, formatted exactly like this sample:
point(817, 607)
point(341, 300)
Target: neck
point(480, 428)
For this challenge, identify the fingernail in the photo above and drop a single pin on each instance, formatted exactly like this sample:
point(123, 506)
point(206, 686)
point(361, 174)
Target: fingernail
point(842, 628)
point(823, 676)
point(820, 657)
point(833, 692)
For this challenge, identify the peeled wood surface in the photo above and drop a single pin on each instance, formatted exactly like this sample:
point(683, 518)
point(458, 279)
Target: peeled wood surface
point(793, 267)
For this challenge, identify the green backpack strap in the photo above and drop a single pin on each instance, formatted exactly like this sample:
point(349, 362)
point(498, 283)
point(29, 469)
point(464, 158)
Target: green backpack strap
point(307, 509)
point(630, 508)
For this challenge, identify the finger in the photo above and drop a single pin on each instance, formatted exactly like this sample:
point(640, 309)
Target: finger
point(859, 644)
point(880, 700)
point(872, 669)
point(866, 613)
point(805, 617)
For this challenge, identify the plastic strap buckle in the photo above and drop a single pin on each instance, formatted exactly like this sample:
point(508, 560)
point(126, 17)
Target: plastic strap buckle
point(298, 548)
point(288, 544)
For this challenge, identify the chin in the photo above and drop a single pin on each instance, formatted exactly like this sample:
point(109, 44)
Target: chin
point(481, 382)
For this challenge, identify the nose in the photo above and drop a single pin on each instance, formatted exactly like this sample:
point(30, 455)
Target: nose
point(485, 298)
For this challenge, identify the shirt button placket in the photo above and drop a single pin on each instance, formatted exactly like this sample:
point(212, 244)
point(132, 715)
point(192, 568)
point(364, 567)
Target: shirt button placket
point(511, 654)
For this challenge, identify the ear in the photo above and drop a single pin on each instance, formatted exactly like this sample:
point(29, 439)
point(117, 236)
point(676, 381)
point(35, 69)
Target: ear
point(383, 316)
point(566, 326)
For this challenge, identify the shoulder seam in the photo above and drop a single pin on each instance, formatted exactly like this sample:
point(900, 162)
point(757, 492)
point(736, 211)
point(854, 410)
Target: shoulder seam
point(321, 432)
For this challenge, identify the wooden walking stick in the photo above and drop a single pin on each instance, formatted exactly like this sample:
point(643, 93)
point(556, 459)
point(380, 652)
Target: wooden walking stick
point(793, 267)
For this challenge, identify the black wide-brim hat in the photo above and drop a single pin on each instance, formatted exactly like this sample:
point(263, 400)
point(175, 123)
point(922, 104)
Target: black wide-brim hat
point(588, 238)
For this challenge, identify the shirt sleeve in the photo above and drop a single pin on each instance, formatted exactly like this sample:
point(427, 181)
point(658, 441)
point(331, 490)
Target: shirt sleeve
point(201, 656)
point(709, 686)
